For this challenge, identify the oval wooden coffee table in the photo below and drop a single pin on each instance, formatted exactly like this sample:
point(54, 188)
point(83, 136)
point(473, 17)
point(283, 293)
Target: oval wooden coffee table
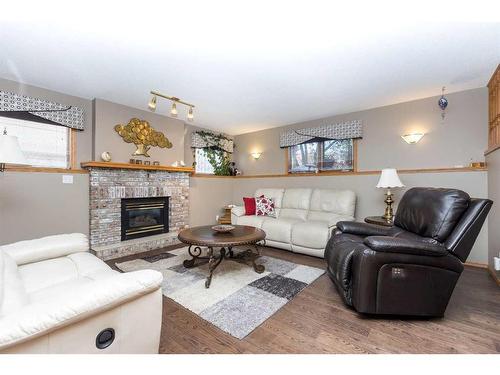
point(205, 236)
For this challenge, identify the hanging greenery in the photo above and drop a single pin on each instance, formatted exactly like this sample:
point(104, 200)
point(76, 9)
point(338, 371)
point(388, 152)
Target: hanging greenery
point(216, 153)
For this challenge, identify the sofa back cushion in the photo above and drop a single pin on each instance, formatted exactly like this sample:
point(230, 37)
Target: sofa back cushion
point(296, 203)
point(13, 294)
point(50, 247)
point(340, 202)
point(431, 212)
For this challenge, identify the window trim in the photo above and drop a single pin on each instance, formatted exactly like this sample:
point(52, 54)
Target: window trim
point(325, 172)
point(73, 166)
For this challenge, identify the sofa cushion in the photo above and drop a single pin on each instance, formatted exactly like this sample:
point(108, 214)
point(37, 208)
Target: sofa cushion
point(253, 220)
point(340, 202)
point(312, 234)
point(330, 217)
point(49, 273)
point(431, 212)
point(24, 252)
point(14, 296)
point(279, 230)
point(297, 198)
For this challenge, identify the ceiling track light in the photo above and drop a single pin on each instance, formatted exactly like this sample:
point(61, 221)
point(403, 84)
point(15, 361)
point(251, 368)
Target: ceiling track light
point(173, 110)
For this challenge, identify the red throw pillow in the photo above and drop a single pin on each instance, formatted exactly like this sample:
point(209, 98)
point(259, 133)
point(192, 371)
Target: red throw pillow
point(249, 206)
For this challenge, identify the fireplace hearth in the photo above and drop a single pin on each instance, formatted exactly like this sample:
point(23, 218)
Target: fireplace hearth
point(141, 217)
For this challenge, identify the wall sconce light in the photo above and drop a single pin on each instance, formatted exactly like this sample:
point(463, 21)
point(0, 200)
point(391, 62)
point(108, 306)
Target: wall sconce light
point(412, 138)
point(256, 155)
point(173, 110)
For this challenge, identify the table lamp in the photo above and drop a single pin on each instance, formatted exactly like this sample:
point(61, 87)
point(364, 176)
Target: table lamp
point(10, 151)
point(389, 179)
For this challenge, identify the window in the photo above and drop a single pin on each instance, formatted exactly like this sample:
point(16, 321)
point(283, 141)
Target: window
point(202, 163)
point(44, 145)
point(332, 155)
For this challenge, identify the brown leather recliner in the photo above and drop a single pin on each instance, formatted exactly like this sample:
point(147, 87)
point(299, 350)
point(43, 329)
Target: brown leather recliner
point(412, 267)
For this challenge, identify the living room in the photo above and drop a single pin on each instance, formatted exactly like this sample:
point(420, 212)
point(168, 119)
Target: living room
point(330, 196)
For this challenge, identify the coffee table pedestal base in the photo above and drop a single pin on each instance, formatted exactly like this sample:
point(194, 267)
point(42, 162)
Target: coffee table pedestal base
point(245, 257)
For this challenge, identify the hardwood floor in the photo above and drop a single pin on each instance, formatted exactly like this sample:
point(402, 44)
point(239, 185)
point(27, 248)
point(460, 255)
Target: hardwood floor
point(317, 321)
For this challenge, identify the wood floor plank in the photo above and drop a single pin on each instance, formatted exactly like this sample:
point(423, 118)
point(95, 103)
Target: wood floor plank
point(317, 321)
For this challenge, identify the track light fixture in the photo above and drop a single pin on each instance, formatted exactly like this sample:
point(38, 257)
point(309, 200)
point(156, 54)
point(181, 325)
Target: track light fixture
point(152, 104)
point(173, 110)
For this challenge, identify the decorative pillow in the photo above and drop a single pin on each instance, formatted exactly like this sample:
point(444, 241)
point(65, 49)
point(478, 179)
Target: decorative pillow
point(264, 207)
point(249, 205)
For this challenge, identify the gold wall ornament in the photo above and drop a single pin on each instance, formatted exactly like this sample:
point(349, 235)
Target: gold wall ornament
point(140, 133)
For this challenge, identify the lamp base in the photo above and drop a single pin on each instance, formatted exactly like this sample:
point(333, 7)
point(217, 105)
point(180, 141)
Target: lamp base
point(388, 214)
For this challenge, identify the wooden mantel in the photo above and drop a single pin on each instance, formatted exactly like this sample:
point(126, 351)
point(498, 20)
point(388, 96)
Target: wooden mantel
point(102, 164)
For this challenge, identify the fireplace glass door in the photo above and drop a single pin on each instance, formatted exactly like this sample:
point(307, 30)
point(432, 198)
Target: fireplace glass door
point(143, 217)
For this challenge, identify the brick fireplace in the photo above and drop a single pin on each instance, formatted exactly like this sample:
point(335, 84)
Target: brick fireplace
point(112, 186)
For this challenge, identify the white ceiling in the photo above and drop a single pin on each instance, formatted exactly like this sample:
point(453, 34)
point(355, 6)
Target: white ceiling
point(249, 65)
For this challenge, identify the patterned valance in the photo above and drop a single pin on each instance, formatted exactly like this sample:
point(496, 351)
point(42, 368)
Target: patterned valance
point(38, 110)
point(344, 130)
point(205, 139)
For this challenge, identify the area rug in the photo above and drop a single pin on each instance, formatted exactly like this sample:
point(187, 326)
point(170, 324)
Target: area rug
point(239, 299)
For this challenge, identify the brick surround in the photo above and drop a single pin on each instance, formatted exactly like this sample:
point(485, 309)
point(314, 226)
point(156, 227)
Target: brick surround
point(109, 185)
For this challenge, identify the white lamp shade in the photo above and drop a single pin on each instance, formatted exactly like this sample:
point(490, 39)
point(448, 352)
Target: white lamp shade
point(389, 179)
point(10, 151)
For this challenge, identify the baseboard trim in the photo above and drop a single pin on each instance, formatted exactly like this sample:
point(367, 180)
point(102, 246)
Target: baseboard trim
point(476, 265)
point(494, 275)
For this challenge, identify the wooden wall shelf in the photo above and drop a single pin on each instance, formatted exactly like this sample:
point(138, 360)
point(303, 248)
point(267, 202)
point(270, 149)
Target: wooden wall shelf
point(102, 164)
point(356, 173)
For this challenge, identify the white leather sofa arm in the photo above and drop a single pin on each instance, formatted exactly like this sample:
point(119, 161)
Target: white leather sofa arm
point(76, 304)
point(236, 212)
point(50, 247)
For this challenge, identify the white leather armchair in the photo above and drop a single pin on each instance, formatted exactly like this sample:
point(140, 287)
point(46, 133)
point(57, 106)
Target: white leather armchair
point(56, 297)
point(304, 218)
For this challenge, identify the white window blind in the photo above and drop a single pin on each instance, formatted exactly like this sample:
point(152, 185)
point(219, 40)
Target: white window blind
point(44, 145)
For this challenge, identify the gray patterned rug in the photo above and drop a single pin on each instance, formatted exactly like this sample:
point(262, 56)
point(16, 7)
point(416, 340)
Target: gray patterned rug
point(239, 299)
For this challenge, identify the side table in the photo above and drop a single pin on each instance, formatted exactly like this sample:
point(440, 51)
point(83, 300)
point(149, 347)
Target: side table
point(379, 220)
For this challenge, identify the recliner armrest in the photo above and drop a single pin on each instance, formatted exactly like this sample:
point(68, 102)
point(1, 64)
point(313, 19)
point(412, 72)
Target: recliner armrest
point(363, 229)
point(76, 304)
point(404, 246)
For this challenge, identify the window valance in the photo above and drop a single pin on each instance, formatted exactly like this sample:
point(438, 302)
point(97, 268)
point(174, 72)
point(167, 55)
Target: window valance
point(206, 139)
point(39, 110)
point(344, 130)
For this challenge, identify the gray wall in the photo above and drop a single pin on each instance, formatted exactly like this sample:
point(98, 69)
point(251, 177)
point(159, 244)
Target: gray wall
point(38, 204)
point(207, 197)
point(34, 205)
point(461, 137)
point(108, 114)
point(493, 161)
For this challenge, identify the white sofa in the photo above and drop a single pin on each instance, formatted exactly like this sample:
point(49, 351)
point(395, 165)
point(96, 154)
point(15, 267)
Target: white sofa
point(304, 219)
point(56, 297)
